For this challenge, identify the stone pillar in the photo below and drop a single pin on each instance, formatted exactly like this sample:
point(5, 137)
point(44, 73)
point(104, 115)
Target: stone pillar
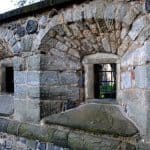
point(27, 88)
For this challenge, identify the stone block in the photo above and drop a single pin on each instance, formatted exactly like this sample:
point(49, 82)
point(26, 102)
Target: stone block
point(126, 81)
point(68, 78)
point(106, 45)
point(17, 48)
point(19, 64)
point(33, 78)
point(136, 57)
point(134, 100)
point(26, 43)
point(74, 53)
point(110, 12)
point(100, 143)
point(121, 12)
point(51, 107)
point(49, 78)
point(131, 15)
point(142, 76)
point(144, 34)
point(100, 9)
point(6, 105)
point(137, 27)
point(33, 62)
point(58, 63)
point(20, 91)
point(61, 138)
point(75, 141)
point(59, 93)
point(20, 77)
point(27, 110)
point(33, 92)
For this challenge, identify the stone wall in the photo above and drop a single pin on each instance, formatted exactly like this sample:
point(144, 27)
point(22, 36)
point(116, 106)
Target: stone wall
point(48, 49)
point(8, 142)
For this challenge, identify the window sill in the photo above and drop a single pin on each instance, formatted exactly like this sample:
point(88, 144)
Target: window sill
point(102, 101)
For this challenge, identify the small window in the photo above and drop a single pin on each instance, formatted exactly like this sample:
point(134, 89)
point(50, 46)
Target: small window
point(105, 81)
point(9, 79)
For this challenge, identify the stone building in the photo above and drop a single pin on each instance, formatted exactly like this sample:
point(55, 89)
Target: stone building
point(56, 55)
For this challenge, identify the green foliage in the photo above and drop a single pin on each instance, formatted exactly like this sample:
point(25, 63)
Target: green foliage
point(109, 88)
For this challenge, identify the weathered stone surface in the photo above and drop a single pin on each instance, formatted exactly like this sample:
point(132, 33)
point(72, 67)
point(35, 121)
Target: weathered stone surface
point(43, 21)
point(130, 16)
point(142, 76)
point(74, 53)
point(57, 63)
point(59, 93)
point(64, 137)
point(52, 48)
point(17, 48)
point(68, 78)
point(147, 6)
point(97, 118)
point(20, 91)
point(33, 62)
point(22, 112)
point(126, 80)
point(7, 105)
point(33, 92)
point(33, 78)
point(49, 78)
point(106, 45)
point(121, 12)
point(52, 13)
point(144, 34)
point(20, 77)
point(49, 107)
point(137, 26)
point(26, 43)
point(19, 64)
point(139, 56)
point(32, 26)
point(20, 31)
point(110, 12)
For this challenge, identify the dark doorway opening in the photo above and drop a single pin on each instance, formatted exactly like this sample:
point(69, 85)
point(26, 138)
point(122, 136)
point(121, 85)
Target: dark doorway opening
point(105, 81)
point(9, 80)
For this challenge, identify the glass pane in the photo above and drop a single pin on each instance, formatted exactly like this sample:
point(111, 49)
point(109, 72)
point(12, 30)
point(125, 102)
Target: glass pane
point(105, 80)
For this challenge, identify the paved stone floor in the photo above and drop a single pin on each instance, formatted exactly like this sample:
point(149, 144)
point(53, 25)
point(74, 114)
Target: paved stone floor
point(10, 142)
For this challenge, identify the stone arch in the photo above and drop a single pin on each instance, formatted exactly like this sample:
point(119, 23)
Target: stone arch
point(71, 42)
point(5, 51)
point(81, 38)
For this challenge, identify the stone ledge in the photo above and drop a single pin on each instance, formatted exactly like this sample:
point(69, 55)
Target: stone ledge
point(65, 137)
point(95, 118)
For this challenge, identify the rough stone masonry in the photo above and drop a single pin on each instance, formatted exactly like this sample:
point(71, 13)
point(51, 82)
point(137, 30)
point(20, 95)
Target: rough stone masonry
point(52, 47)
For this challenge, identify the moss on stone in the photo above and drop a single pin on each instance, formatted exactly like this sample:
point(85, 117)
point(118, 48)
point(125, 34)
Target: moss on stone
point(35, 132)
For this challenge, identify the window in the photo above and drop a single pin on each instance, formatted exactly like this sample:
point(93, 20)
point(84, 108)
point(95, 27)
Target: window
point(9, 80)
point(104, 81)
point(101, 79)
